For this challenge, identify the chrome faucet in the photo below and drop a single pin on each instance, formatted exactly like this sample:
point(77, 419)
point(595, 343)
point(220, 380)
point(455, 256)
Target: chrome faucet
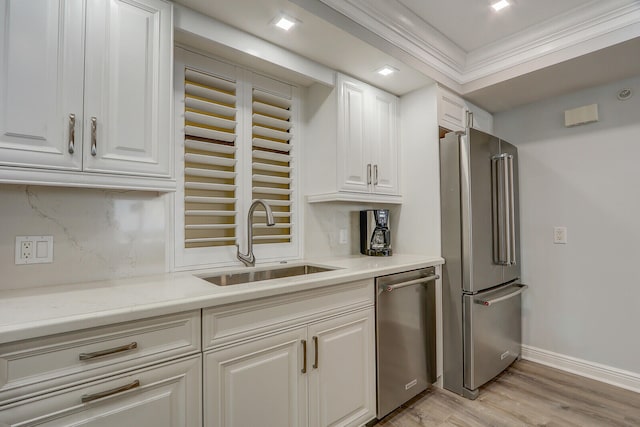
point(249, 259)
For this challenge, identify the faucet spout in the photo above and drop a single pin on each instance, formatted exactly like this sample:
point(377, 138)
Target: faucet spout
point(249, 259)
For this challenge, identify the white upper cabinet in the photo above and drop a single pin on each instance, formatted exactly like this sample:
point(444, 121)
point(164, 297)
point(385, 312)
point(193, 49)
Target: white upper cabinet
point(452, 111)
point(353, 150)
point(86, 87)
point(384, 143)
point(352, 156)
point(41, 77)
point(479, 119)
point(456, 114)
point(367, 138)
point(128, 70)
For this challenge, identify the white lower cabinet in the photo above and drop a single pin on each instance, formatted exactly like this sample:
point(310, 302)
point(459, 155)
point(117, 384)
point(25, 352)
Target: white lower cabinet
point(140, 373)
point(318, 374)
point(257, 383)
point(163, 395)
point(342, 376)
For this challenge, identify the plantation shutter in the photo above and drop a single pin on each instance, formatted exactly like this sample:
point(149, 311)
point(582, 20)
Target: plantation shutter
point(210, 160)
point(272, 164)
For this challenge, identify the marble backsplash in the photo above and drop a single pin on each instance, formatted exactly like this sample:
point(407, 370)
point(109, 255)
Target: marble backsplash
point(323, 222)
point(97, 234)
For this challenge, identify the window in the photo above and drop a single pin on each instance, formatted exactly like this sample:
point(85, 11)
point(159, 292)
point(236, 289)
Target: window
point(235, 142)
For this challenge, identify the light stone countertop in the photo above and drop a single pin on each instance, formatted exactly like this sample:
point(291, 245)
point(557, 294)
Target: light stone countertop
point(49, 310)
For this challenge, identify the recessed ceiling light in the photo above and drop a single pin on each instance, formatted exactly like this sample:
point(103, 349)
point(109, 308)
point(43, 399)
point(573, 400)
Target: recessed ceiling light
point(499, 5)
point(285, 23)
point(386, 70)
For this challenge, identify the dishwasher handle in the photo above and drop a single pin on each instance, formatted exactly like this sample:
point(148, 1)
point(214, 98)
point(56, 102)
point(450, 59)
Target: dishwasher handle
point(426, 279)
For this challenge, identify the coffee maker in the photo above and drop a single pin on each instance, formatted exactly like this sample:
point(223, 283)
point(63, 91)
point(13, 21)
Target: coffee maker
point(375, 236)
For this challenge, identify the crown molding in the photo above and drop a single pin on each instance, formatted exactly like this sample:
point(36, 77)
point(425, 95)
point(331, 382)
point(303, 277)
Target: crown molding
point(591, 21)
point(593, 26)
point(398, 25)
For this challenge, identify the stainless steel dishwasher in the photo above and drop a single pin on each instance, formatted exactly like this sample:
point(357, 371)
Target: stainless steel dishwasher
point(406, 336)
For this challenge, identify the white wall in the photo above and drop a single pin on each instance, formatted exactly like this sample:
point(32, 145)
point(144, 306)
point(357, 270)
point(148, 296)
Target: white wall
point(584, 297)
point(97, 234)
point(418, 220)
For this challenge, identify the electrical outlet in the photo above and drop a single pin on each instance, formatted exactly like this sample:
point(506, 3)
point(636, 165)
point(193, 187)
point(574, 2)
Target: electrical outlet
point(560, 235)
point(34, 249)
point(26, 249)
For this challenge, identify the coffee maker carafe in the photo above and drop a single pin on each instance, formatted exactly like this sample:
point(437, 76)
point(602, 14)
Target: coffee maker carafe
point(375, 236)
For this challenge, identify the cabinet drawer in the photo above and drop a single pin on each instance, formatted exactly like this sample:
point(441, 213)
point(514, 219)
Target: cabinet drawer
point(166, 395)
point(38, 365)
point(230, 323)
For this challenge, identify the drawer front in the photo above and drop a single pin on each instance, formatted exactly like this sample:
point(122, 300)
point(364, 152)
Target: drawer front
point(492, 333)
point(165, 395)
point(231, 323)
point(38, 365)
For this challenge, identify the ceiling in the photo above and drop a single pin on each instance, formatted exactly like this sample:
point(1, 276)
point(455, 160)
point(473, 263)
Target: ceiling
point(314, 38)
point(491, 58)
point(472, 24)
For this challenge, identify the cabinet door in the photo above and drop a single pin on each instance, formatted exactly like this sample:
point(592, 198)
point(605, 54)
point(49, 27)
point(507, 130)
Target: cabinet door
point(480, 119)
point(41, 75)
point(342, 382)
point(452, 111)
point(167, 395)
point(354, 165)
point(257, 383)
point(383, 139)
point(128, 87)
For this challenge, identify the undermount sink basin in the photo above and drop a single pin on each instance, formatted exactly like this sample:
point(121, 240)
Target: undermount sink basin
point(258, 275)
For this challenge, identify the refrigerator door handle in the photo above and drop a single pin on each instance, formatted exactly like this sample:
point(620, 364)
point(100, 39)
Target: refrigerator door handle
point(503, 194)
point(488, 302)
point(498, 178)
point(506, 192)
point(512, 213)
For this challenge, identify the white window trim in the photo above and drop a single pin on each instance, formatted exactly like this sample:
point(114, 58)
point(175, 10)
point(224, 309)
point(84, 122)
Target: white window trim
point(182, 259)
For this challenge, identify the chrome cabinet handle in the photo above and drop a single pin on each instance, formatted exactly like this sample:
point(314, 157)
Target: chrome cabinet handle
point(72, 133)
point(315, 359)
point(426, 279)
point(87, 356)
point(375, 174)
point(94, 136)
point(304, 356)
point(369, 174)
point(89, 397)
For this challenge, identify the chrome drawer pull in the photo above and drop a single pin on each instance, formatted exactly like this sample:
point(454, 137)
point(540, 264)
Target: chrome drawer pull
point(87, 356)
point(412, 282)
point(90, 397)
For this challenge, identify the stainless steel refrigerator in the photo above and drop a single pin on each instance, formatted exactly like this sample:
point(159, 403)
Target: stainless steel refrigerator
point(480, 243)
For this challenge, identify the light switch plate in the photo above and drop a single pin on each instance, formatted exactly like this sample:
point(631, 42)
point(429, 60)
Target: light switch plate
point(34, 249)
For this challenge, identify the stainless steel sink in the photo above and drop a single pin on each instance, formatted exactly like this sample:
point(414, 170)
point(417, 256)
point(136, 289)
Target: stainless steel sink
point(258, 275)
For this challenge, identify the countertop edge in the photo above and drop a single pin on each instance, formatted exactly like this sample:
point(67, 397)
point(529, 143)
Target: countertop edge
point(204, 294)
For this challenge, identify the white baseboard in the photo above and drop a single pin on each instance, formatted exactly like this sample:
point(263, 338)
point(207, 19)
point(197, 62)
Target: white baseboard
point(606, 374)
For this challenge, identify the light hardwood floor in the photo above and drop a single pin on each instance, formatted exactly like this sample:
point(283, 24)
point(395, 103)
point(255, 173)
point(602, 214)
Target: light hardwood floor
point(526, 394)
